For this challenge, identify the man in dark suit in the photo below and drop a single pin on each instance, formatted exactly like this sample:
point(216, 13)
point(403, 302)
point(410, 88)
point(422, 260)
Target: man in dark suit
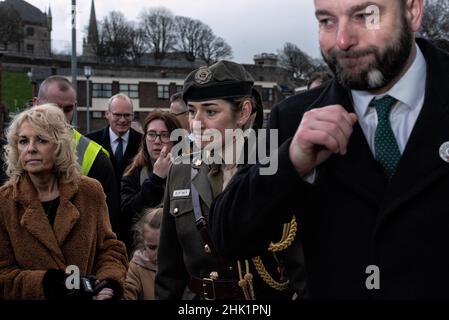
point(363, 162)
point(118, 137)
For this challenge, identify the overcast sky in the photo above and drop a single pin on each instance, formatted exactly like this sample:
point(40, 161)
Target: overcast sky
point(249, 26)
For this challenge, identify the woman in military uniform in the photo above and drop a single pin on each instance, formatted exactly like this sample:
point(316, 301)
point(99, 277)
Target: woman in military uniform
point(219, 97)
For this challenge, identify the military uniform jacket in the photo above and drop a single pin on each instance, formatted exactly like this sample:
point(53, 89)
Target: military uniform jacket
point(181, 247)
point(351, 217)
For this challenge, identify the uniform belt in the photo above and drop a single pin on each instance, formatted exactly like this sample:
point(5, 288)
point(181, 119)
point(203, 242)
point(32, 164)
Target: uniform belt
point(210, 289)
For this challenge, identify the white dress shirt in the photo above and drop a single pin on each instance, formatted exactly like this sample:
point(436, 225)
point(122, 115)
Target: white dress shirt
point(409, 91)
point(114, 141)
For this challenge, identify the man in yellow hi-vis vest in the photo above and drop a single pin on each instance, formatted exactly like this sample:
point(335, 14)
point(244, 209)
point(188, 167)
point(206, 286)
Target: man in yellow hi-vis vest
point(94, 160)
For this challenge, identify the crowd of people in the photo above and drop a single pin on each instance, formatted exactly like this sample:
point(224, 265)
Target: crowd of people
point(355, 210)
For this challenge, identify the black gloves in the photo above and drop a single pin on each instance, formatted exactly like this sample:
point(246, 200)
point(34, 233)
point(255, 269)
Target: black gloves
point(54, 286)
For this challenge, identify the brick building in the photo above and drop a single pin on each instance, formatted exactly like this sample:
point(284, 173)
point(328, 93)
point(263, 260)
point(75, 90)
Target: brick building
point(149, 84)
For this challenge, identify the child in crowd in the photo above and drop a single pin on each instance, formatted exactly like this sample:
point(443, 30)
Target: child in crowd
point(143, 266)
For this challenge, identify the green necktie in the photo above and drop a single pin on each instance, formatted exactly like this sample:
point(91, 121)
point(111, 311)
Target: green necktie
point(385, 146)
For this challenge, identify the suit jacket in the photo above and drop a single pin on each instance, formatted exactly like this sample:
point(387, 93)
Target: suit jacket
point(351, 217)
point(81, 236)
point(102, 137)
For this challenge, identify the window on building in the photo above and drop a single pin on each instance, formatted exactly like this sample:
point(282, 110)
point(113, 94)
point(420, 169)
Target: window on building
point(101, 90)
point(30, 48)
point(131, 90)
point(267, 94)
point(97, 115)
point(179, 88)
point(163, 92)
point(30, 31)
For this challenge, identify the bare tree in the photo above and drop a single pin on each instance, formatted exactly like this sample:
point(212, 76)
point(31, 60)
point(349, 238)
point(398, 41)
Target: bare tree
point(216, 50)
point(213, 48)
point(138, 44)
point(436, 20)
point(115, 36)
point(11, 31)
point(159, 30)
point(197, 40)
point(296, 61)
point(188, 36)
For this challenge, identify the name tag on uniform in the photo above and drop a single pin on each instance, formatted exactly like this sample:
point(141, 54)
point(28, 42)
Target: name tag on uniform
point(181, 193)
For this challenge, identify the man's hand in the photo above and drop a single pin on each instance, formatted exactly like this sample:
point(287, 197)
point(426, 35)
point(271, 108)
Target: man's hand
point(322, 132)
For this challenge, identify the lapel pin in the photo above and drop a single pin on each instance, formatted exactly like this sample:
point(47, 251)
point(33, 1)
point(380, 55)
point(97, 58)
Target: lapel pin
point(444, 151)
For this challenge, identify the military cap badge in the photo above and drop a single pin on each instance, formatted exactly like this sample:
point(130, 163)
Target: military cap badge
point(203, 75)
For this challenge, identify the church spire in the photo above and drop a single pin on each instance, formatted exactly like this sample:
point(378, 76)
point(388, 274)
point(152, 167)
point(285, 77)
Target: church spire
point(49, 18)
point(90, 46)
point(92, 36)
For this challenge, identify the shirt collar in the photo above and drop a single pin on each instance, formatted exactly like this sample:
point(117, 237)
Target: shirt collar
point(114, 137)
point(408, 90)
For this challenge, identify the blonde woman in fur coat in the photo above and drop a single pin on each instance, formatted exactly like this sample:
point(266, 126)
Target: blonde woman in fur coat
point(53, 218)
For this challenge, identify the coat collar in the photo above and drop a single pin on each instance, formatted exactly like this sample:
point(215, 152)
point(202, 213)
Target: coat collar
point(420, 164)
point(352, 167)
point(35, 221)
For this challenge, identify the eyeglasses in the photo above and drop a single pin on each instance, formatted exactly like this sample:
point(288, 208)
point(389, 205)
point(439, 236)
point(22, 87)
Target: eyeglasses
point(127, 116)
point(164, 136)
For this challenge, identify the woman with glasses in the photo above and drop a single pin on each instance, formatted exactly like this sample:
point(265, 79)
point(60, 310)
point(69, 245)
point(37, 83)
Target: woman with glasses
point(221, 100)
point(143, 182)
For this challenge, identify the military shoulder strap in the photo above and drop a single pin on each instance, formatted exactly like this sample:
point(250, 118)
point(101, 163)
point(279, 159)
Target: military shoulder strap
point(200, 220)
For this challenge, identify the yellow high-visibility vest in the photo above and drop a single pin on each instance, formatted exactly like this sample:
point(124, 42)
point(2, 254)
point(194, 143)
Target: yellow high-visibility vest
point(87, 150)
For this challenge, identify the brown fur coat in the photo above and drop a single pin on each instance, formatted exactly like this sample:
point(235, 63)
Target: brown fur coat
point(81, 236)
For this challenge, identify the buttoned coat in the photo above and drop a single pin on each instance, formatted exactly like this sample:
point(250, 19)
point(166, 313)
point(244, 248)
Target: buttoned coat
point(182, 249)
point(81, 237)
point(363, 237)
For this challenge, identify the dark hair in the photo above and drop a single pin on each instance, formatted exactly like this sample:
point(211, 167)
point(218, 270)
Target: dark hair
point(64, 85)
point(142, 158)
point(323, 76)
point(175, 97)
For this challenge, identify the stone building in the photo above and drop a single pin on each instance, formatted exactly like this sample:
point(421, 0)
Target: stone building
point(36, 27)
